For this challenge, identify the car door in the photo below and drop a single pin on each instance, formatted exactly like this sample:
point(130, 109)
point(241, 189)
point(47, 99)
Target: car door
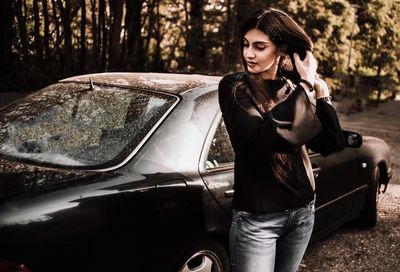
point(217, 165)
point(337, 186)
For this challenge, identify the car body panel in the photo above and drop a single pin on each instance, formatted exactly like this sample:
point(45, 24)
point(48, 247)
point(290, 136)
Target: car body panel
point(163, 82)
point(339, 172)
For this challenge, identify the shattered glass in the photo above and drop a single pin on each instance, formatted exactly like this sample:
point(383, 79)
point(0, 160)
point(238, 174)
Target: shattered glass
point(79, 125)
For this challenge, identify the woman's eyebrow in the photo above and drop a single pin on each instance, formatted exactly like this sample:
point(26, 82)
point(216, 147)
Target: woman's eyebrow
point(257, 42)
point(261, 43)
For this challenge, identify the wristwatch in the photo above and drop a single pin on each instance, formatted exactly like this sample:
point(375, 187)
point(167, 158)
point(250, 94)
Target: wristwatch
point(325, 98)
point(307, 83)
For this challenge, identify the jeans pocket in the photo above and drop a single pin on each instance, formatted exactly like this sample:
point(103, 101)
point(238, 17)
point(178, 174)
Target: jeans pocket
point(306, 216)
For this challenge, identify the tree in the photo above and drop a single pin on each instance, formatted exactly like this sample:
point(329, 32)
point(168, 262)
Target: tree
point(133, 23)
point(94, 65)
point(46, 39)
point(116, 12)
point(378, 38)
point(195, 45)
point(83, 36)
point(65, 13)
point(157, 65)
point(37, 35)
point(23, 36)
point(103, 35)
point(329, 23)
point(6, 34)
point(231, 28)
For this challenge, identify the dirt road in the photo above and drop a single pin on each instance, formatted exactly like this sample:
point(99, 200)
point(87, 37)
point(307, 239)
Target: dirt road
point(377, 249)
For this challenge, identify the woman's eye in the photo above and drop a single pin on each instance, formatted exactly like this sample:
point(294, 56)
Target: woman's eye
point(260, 47)
point(246, 45)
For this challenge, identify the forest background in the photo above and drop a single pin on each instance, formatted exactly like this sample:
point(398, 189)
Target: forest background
point(41, 41)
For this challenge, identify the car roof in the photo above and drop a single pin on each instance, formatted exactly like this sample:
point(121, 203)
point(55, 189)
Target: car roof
point(164, 82)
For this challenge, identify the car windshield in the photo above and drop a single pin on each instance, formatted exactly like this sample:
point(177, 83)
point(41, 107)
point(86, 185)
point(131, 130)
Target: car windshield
point(80, 125)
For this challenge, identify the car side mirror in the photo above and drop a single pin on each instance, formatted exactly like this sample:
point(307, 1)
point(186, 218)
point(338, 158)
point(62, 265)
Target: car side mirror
point(353, 139)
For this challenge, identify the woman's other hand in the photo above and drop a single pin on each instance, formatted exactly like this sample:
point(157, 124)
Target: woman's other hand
point(306, 68)
point(321, 88)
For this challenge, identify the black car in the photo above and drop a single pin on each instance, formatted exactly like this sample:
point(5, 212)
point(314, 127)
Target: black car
point(134, 172)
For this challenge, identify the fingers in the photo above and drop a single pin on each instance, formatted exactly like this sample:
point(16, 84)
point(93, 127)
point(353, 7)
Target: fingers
point(310, 59)
point(296, 57)
point(307, 67)
point(309, 55)
point(321, 87)
point(307, 60)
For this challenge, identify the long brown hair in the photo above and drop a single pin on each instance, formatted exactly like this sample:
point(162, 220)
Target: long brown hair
point(289, 37)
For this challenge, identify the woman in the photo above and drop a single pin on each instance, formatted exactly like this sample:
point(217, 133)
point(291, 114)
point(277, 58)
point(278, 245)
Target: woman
point(273, 204)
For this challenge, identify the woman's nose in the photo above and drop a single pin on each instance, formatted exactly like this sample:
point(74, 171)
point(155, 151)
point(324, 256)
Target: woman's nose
point(250, 53)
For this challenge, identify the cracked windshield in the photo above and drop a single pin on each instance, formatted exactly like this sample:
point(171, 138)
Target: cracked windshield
point(76, 125)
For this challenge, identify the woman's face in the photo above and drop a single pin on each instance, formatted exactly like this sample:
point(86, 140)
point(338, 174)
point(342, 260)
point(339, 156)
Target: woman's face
point(260, 53)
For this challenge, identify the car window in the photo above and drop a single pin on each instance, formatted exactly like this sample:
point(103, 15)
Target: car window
point(76, 125)
point(221, 153)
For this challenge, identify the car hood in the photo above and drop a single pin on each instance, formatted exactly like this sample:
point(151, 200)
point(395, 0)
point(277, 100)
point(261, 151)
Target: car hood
point(16, 177)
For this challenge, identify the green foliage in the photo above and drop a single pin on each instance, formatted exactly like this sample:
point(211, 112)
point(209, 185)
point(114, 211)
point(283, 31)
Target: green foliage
point(379, 37)
point(330, 24)
point(353, 38)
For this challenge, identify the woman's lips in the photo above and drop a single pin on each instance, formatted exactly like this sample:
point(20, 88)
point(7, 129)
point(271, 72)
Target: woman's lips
point(251, 64)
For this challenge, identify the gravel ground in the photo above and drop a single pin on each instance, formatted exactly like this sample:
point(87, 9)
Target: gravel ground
point(377, 249)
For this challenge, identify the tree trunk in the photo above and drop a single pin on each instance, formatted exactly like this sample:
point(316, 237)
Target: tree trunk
point(151, 25)
point(115, 34)
point(103, 34)
point(83, 36)
point(38, 39)
point(22, 29)
point(379, 85)
point(95, 34)
point(227, 33)
point(66, 21)
point(232, 52)
point(136, 56)
point(6, 35)
point(158, 64)
point(57, 26)
point(195, 45)
point(171, 55)
point(46, 29)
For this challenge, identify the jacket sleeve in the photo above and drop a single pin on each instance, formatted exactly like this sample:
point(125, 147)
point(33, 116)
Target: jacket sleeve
point(246, 123)
point(331, 138)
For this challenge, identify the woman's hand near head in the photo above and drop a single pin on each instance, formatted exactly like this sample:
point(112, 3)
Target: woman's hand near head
point(321, 88)
point(307, 68)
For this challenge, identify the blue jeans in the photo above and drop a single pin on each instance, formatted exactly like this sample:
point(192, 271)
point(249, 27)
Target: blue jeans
point(270, 242)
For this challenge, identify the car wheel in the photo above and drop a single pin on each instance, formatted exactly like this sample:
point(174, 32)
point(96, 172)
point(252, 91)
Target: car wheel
point(369, 213)
point(206, 256)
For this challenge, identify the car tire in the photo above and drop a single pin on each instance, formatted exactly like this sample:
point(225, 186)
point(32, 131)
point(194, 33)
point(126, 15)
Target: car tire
point(205, 256)
point(369, 213)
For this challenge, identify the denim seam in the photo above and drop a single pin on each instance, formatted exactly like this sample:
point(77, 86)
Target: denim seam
point(238, 226)
point(289, 221)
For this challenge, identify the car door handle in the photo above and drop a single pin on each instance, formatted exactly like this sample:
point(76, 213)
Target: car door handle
point(229, 193)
